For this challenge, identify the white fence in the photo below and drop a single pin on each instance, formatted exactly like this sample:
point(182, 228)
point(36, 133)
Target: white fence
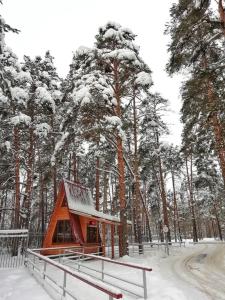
point(13, 244)
point(144, 248)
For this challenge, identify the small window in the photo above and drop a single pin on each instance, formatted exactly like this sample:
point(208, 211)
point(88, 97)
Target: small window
point(91, 234)
point(63, 232)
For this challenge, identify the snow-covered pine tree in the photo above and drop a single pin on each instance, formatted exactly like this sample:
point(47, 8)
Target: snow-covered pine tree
point(173, 164)
point(208, 182)
point(197, 46)
point(42, 91)
point(13, 97)
point(152, 128)
point(100, 80)
point(118, 57)
point(188, 159)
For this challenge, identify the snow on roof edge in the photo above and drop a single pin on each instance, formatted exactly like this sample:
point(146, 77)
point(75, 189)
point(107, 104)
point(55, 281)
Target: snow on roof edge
point(86, 209)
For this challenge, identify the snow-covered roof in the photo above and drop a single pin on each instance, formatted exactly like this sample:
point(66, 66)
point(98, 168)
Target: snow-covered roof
point(80, 201)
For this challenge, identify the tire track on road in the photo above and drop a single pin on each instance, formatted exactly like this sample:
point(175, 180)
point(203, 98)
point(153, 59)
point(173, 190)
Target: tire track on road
point(204, 270)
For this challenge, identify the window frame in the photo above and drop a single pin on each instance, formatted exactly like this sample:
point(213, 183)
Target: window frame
point(63, 232)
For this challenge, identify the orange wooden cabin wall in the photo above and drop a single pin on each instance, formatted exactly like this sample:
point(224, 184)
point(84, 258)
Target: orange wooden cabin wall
point(62, 213)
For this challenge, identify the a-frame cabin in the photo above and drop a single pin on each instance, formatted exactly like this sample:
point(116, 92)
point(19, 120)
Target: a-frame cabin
point(76, 222)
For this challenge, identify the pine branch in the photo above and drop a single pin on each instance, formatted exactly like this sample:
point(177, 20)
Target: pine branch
point(8, 28)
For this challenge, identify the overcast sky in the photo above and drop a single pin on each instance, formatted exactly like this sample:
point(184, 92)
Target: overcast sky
point(62, 26)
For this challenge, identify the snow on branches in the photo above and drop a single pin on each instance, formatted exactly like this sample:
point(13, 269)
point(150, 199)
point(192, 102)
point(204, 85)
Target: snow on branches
point(19, 95)
point(21, 119)
point(44, 97)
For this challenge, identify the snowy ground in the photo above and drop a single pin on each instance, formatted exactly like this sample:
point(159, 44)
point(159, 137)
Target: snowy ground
point(17, 284)
point(199, 271)
point(190, 273)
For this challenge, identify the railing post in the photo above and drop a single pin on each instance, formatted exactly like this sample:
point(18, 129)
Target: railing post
point(78, 265)
point(26, 259)
point(102, 270)
point(44, 270)
point(64, 284)
point(127, 247)
point(145, 285)
point(110, 297)
point(33, 261)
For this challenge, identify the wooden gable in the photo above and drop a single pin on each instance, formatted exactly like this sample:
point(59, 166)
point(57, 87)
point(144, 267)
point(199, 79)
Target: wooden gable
point(75, 221)
point(63, 224)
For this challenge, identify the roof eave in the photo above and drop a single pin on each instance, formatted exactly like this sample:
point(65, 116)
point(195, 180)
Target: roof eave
point(96, 218)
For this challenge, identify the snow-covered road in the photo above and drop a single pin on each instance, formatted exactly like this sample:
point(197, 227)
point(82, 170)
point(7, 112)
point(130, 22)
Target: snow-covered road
point(199, 271)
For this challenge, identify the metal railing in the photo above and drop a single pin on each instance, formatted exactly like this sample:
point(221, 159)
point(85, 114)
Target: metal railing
point(208, 242)
point(77, 259)
point(33, 260)
point(13, 244)
point(143, 248)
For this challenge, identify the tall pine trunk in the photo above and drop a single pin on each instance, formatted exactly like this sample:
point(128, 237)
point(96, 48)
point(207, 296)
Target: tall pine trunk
point(54, 179)
point(176, 214)
point(191, 200)
point(222, 15)
point(122, 200)
point(217, 221)
point(17, 177)
point(147, 214)
point(142, 201)
point(215, 122)
point(220, 145)
point(75, 168)
point(136, 194)
point(29, 180)
point(97, 184)
point(54, 167)
point(163, 193)
point(105, 189)
point(41, 195)
point(121, 169)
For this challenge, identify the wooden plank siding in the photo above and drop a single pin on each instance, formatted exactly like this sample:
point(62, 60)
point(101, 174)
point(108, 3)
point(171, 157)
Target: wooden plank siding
point(79, 224)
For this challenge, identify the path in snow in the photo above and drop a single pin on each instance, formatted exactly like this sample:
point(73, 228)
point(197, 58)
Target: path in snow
point(203, 269)
point(18, 284)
